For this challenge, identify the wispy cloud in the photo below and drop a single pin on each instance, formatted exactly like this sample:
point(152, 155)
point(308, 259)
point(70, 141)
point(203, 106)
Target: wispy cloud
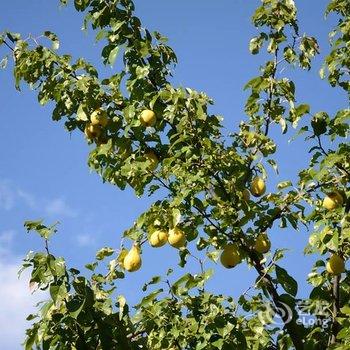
point(16, 301)
point(7, 197)
point(28, 199)
point(6, 237)
point(58, 207)
point(85, 240)
point(11, 196)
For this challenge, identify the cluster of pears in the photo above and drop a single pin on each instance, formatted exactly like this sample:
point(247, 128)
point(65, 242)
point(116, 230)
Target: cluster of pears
point(231, 254)
point(131, 260)
point(333, 200)
point(94, 129)
point(148, 118)
point(336, 264)
point(175, 237)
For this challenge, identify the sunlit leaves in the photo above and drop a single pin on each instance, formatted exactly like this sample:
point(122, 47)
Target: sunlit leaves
point(336, 65)
point(53, 37)
point(44, 231)
point(202, 175)
point(104, 252)
point(288, 283)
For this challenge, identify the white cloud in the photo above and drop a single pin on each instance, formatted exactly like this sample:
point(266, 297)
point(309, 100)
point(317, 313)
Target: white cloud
point(7, 197)
point(28, 199)
point(58, 207)
point(16, 302)
point(6, 239)
point(11, 196)
point(85, 240)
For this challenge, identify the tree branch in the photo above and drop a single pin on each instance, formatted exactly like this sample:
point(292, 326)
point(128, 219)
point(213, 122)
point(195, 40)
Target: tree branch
point(335, 309)
point(9, 46)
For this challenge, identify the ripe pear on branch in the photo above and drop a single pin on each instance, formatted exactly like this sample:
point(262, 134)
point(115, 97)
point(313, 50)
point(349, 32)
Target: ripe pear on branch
point(148, 118)
point(158, 238)
point(153, 159)
point(230, 256)
point(92, 131)
point(333, 200)
point(132, 261)
point(335, 265)
point(258, 187)
point(262, 244)
point(177, 237)
point(99, 117)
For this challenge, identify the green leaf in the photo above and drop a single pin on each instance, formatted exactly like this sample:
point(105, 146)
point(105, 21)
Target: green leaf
point(81, 115)
point(42, 230)
point(57, 265)
point(13, 36)
point(284, 184)
point(345, 310)
point(104, 252)
point(3, 62)
point(81, 5)
point(274, 165)
point(75, 306)
point(53, 37)
point(176, 214)
point(113, 55)
point(149, 298)
point(288, 283)
point(255, 44)
point(303, 109)
point(57, 291)
point(284, 125)
point(154, 280)
point(122, 306)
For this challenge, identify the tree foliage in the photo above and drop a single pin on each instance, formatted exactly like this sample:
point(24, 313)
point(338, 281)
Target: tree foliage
point(202, 177)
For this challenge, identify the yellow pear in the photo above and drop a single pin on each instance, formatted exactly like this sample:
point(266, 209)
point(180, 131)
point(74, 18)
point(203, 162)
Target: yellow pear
point(230, 256)
point(132, 261)
point(92, 131)
point(262, 244)
point(99, 117)
point(153, 159)
point(257, 187)
point(176, 238)
point(148, 117)
point(333, 200)
point(158, 238)
point(246, 195)
point(335, 265)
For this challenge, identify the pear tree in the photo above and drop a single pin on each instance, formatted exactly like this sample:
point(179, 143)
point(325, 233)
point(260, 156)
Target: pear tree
point(162, 140)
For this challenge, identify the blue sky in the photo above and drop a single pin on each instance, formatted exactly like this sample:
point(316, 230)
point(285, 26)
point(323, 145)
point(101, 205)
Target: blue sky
point(43, 171)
